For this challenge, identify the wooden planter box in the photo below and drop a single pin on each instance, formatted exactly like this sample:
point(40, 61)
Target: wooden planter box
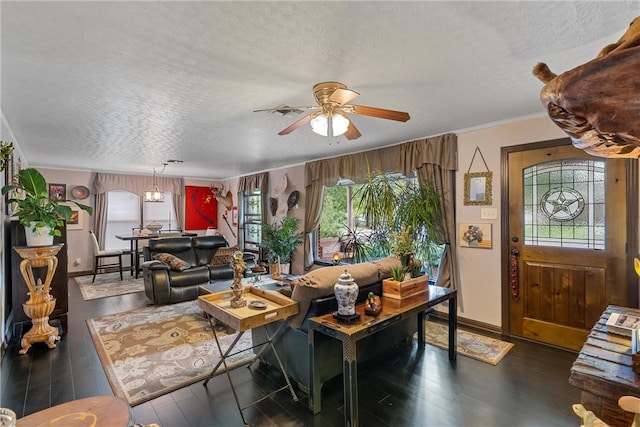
point(398, 290)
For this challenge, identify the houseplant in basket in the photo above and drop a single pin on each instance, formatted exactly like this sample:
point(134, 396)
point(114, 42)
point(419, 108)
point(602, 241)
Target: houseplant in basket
point(279, 241)
point(40, 215)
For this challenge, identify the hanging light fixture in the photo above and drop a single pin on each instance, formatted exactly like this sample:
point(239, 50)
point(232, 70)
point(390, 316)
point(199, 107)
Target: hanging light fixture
point(153, 194)
point(323, 123)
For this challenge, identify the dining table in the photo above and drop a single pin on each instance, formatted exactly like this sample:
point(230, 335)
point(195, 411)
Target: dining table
point(134, 240)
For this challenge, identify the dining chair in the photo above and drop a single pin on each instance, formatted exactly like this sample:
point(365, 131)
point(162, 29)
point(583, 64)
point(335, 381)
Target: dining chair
point(99, 254)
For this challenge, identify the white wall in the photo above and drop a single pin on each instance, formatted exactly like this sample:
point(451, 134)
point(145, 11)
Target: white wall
point(480, 272)
point(79, 248)
point(295, 181)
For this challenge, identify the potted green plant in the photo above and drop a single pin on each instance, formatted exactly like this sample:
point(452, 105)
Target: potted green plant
point(40, 215)
point(403, 245)
point(409, 214)
point(279, 241)
point(354, 243)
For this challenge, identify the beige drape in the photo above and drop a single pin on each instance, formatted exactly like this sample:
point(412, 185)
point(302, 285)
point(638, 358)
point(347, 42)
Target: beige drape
point(440, 151)
point(136, 184)
point(443, 181)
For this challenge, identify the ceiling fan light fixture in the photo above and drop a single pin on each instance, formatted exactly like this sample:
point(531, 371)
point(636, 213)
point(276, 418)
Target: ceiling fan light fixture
point(320, 124)
point(340, 124)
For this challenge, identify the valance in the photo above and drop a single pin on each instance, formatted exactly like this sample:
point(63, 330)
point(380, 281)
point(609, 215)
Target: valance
point(404, 158)
point(249, 183)
point(136, 184)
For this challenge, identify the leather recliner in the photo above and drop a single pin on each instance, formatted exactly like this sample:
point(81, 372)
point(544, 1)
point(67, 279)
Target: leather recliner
point(163, 285)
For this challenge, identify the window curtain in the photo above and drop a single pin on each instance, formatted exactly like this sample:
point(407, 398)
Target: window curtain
point(100, 217)
point(406, 158)
point(105, 182)
point(443, 181)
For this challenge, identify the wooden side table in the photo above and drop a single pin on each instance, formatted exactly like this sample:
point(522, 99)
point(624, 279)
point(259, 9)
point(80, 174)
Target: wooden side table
point(40, 303)
point(97, 411)
point(278, 307)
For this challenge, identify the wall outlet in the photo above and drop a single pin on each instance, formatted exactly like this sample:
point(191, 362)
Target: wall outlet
point(77, 262)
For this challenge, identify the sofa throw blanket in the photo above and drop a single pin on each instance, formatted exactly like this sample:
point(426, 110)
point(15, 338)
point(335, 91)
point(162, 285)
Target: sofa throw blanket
point(319, 283)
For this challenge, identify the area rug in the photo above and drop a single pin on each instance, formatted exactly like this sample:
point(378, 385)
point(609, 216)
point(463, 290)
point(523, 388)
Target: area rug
point(152, 351)
point(479, 347)
point(108, 285)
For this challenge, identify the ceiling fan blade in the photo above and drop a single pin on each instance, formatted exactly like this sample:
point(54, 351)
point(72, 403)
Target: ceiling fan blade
point(352, 131)
point(380, 113)
point(286, 109)
point(295, 125)
point(342, 96)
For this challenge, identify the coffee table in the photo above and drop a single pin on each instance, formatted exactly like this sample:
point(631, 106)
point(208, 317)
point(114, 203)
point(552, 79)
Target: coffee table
point(266, 283)
point(393, 311)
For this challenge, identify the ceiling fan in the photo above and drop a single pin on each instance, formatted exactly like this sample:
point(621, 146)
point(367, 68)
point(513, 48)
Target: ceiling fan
point(330, 118)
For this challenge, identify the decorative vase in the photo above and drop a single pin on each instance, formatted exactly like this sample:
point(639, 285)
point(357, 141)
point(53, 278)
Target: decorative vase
point(40, 237)
point(346, 291)
point(154, 227)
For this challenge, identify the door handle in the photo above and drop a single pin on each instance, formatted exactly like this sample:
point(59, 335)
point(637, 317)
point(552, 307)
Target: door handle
point(514, 282)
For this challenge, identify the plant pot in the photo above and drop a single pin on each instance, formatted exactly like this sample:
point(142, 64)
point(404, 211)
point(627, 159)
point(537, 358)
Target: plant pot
point(40, 237)
point(398, 290)
point(285, 268)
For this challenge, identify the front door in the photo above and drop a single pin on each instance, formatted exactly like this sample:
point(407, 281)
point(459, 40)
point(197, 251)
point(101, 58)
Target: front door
point(566, 242)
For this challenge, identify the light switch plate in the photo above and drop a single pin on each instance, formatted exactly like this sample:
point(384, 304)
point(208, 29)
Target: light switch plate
point(489, 213)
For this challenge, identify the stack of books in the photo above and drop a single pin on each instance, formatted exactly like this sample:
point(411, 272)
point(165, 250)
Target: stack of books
point(627, 325)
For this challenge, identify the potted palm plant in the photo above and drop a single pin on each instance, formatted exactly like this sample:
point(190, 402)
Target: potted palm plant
point(408, 214)
point(279, 241)
point(40, 215)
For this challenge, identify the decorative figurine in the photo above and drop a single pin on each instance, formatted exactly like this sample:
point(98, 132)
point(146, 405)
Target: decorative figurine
point(239, 266)
point(372, 306)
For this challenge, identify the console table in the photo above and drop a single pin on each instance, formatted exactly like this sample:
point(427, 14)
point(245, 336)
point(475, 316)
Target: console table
point(393, 311)
point(603, 371)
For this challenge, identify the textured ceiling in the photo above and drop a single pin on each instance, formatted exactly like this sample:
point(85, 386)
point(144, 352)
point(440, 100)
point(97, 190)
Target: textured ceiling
point(124, 86)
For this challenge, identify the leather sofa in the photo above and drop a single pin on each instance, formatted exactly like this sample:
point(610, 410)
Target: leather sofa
point(314, 293)
point(162, 284)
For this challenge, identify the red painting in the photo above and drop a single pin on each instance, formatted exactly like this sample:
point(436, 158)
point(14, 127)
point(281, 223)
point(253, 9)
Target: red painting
point(201, 208)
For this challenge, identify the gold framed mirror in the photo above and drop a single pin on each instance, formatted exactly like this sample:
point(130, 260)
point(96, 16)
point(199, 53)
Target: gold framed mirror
point(477, 188)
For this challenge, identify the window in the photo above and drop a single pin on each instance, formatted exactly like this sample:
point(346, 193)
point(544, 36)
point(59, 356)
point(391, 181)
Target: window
point(126, 211)
point(343, 229)
point(343, 226)
point(251, 221)
point(564, 204)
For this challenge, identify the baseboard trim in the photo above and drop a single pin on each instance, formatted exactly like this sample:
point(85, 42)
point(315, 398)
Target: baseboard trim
point(81, 273)
point(470, 323)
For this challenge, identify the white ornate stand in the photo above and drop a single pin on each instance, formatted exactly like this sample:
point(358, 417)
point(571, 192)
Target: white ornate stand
point(40, 303)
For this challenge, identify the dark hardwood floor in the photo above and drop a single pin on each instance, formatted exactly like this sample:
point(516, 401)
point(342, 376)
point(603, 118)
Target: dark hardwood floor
point(405, 388)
